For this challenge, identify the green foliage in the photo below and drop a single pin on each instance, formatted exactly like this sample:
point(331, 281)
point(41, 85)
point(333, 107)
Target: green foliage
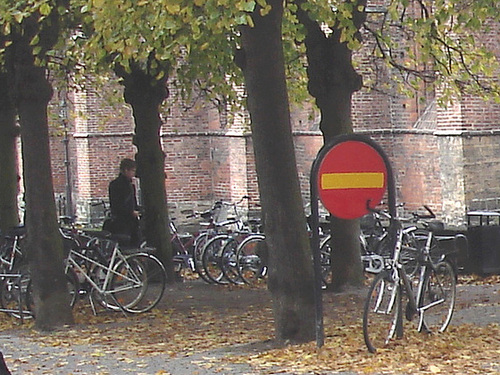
point(38, 21)
point(444, 43)
point(193, 41)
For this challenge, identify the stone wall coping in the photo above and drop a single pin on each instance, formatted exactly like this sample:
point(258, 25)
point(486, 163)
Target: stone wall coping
point(483, 213)
point(438, 133)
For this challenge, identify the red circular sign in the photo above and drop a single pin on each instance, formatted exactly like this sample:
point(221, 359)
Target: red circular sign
point(351, 174)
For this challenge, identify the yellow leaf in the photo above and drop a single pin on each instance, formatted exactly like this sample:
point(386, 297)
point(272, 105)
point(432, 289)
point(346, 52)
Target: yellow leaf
point(434, 369)
point(18, 17)
point(173, 8)
point(45, 9)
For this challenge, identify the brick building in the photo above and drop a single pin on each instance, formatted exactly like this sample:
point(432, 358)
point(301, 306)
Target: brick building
point(447, 158)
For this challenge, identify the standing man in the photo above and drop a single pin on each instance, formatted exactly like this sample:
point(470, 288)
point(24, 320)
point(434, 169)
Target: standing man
point(123, 202)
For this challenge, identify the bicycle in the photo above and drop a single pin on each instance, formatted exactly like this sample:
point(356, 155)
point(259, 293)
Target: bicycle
point(182, 246)
point(15, 292)
point(375, 244)
point(228, 261)
point(226, 231)
point(131, 283)
point(371, 238)
point(218, 252)
point(188, 248)
point(15, 278)
point(433, 301)
point(252, 257)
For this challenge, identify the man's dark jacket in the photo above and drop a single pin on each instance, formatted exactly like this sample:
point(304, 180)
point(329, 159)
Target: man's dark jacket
point(123, 203)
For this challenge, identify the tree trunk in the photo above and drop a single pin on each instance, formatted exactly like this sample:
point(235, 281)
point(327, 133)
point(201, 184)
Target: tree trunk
point(332, 81)
point(9, 216)
point(45, 250)
point(145, 94)
point(291, 278)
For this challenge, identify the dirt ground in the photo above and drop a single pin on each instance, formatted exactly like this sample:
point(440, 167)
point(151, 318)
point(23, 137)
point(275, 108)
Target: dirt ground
point(195, 328)
point(477, 302)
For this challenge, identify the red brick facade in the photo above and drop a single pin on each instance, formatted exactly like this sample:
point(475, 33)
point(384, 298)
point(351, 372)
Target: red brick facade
point(450, 159)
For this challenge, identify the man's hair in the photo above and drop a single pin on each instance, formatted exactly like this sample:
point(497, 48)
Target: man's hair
point(127, 164)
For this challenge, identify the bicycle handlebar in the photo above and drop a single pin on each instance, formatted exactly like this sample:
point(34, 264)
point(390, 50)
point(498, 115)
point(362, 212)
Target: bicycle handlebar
point(229, 204)
point(416, 215)
point(207, 214)
point(431, 213)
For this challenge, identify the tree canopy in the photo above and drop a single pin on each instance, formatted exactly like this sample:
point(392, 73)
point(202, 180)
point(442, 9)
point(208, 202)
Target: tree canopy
point(444, 42)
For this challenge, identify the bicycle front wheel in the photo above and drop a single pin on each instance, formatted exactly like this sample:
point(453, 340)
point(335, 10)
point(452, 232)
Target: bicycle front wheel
point(138, 282)
point(16, 294)
point(229, 262)
point(325, 256)
point(199, 246)
point(212, 258)
point(382, 312)
point(73, 286)
point(438, 298)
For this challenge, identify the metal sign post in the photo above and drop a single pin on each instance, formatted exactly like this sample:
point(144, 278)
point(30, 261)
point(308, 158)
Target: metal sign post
point(349, 175)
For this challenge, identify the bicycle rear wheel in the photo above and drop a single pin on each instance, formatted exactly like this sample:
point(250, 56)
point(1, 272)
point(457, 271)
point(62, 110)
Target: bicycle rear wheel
point(438, 298)
point(252, 256)
point(382, 312)
point(138, 282)
point(72, 287)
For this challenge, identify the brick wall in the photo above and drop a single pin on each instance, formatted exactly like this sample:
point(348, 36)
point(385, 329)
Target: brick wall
point(202, 166)
point(482, 171)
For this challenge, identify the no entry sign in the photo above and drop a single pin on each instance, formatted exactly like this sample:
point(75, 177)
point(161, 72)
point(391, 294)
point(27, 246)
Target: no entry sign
point(347, 173)
point(350, 174)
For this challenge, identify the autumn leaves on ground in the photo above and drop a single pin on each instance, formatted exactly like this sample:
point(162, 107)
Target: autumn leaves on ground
point(189, 321)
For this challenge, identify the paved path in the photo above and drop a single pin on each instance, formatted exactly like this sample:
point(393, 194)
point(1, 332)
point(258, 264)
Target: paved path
point(475, 305)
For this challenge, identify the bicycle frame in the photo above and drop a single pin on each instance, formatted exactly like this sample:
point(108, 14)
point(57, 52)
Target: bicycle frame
point(435, 286)
point(399, 274)
point(9, 263)
point(109, 271)
point(184, 254)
